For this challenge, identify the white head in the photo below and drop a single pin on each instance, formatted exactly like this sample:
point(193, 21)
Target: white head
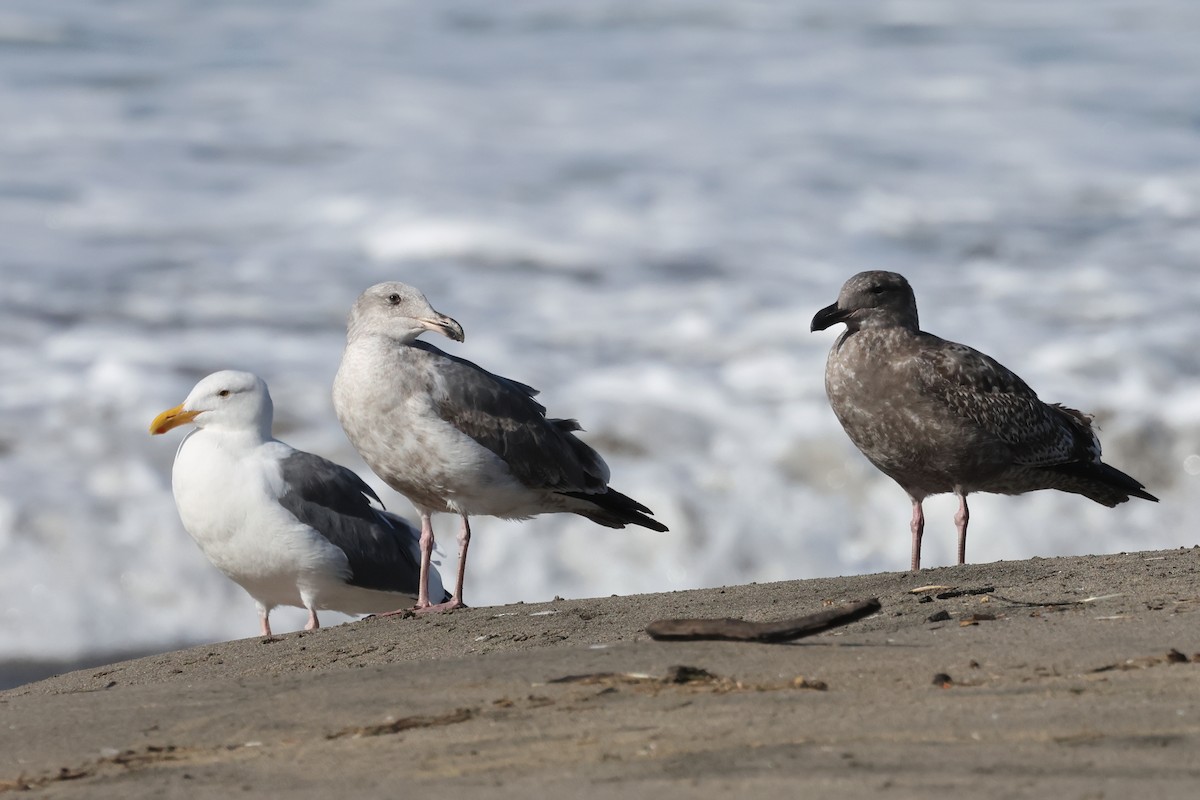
point(398, 311)
point(228, 400)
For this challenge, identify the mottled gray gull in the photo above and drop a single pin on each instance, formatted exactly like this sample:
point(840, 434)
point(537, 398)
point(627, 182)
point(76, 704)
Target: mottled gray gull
point(289, 527)
point(452, 437)
point(936, 416)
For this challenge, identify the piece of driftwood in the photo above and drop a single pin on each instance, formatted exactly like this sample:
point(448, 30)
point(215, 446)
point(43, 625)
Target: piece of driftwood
point(964, 592)
point(739, 630)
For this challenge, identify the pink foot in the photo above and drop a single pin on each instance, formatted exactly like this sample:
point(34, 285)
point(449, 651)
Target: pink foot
point(449, 605)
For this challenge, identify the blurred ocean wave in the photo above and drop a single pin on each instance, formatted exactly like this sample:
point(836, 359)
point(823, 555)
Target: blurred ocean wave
point(634, 206)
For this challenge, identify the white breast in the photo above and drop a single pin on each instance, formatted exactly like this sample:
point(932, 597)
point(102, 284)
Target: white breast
point(227, 501)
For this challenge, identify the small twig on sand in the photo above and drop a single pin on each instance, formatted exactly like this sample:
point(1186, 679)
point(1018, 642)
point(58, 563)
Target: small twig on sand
point(739, 630)
point(1035, 603)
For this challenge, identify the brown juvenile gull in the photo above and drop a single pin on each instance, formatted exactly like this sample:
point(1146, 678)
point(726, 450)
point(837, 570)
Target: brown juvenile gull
point(451, 436)
point(936, 416)
point(289, 527)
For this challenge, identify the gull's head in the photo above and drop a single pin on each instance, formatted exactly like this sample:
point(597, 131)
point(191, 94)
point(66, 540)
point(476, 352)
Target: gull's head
point(227, 399)
point(874, 299)
point(400, 312)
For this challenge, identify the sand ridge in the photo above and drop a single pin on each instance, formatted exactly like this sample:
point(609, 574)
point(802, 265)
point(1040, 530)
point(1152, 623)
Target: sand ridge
point(1078, 675)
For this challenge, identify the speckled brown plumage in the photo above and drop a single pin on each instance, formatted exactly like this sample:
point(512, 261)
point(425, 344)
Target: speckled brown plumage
point(937, 416)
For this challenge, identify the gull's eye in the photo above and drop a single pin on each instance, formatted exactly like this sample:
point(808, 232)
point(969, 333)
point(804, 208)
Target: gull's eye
point(394, 299)
point(223, 393)
point(878, 289)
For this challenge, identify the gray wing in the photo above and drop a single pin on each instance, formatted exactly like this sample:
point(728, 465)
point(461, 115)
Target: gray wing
point(978, 388)
point(383, 549)
point(501, 415)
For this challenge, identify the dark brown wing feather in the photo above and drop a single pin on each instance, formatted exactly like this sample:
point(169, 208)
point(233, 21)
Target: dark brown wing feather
point(980, 389)
point(1040, 435)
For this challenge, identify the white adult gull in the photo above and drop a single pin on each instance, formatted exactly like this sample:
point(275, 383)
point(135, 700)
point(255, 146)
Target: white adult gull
point(452, 437)
point(937, 416)
point(289, 527)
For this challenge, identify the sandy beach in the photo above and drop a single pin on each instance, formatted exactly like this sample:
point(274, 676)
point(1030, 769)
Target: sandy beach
point(1069, 677)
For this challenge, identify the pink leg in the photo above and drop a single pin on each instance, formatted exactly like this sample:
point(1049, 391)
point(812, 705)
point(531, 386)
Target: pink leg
point(918, 530)
point(960, 520)
point(264, 618)
point(426, 559)
point(312, 623)
point(464, 541)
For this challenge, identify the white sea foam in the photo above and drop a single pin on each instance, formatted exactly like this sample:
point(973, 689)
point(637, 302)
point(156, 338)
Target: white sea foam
point(636, 207)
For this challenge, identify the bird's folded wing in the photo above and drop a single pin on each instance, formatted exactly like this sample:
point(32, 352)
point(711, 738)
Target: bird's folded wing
point(336, 503)
point(501, 415)
point(981, 391)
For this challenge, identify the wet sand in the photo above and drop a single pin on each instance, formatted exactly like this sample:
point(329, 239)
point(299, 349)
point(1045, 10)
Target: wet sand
point(1067, 677)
